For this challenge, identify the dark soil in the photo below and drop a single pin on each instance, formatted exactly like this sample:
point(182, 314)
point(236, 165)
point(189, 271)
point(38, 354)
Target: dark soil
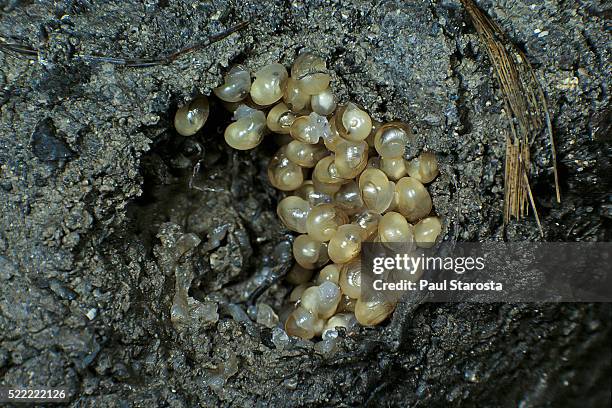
point(96, 210)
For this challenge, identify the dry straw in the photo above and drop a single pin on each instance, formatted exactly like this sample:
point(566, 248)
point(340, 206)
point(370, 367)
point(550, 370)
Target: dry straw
point(527, 111)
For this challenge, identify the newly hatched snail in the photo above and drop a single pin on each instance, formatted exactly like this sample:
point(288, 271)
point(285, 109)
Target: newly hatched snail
point(423, 168)
point(310, 129)
point(280, 118)
point(370, 312)
point(191, 117)
point(345, 243)
point(308, 192)
point(237, 85)
point(296, 97)
point(350, 279)
point(368, 222)
point(311, 71)
point(321, 300)
point(391, 139)
point(353, 123)
point(269, 84)
point(323, 221)
point(413, 199)
point(305, 154)
point(351, 158)
point(293, 212)
point(393, 167)
point(323, 103)
point(302, 323)
point(427, 231)
point(309, 253)
point(330, 273)
point(348, 198)
point(376, 190)
point(248, 130)
point(326, 172)
point(393, 227)
point(283, 173)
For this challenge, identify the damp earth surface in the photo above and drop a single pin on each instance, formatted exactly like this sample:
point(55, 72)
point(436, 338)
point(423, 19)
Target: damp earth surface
point(123, 270)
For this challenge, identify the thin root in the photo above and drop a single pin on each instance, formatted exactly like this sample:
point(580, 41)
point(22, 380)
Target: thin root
point(32, 53)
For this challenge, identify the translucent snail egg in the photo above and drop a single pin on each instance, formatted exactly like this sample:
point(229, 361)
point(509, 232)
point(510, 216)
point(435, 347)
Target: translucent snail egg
point(376, 190)
point(311, 71)
point(427, 231)
point(423, 168)
point(283, 173)
point(269, 84)
point(310, 129)
point(394, 168)
point(413, 199)
point(391, 139)
point(351, 158)
point(237, 85)
point(373, 311)
point(393, 227)
point(266, 316)
point(349, 198)
point(350, 279)
point(295, 97)
point(298, 275)
point(191, 117)
point(308, 252)
point(368, 222)
point(353, 123)
point(301, 323)
point(308, 192)
point(280, 119)
point(329, 298)
point(323, 103)
point(248, 130)
point(346, 321)
point(325, 171)
point(293, 212)
point(329, 273)
point(345, 244)
point(324, 220)
point(304, 154)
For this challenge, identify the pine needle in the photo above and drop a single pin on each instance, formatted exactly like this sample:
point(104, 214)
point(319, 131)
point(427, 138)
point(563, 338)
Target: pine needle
point(526, 109)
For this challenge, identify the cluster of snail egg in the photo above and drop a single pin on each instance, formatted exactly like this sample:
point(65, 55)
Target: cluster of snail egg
point(348, 180)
